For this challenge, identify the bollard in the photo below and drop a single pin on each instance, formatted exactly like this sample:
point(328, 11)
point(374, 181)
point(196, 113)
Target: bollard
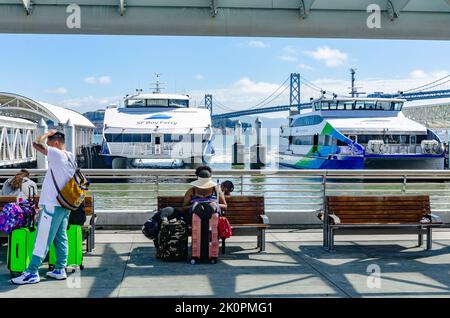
point(258, 151)
point(41, 160)
point(238, 147)
point(69, 132)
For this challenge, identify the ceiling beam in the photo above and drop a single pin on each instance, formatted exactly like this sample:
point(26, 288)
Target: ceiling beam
point(27, 6)
point(122, 9)
point(305, 8)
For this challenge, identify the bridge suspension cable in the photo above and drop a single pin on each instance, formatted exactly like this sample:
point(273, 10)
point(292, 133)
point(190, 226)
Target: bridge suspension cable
point(425, 86)
point(263, 102)
point(222, 106)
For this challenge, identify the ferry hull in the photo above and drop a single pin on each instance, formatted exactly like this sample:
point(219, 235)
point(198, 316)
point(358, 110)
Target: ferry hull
point(392, 162)
point(303, 162)
point(406, 163)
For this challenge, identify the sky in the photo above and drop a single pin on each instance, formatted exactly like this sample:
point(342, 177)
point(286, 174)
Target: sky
point(90, 72)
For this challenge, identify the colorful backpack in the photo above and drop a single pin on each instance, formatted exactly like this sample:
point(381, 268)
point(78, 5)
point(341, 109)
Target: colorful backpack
point(12, 217)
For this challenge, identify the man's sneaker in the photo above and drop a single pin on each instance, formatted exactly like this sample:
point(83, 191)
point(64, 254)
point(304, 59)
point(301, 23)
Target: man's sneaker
point(26, 278)
point(58, 274)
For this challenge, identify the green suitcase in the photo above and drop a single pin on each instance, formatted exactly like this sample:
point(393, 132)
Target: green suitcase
point(20, 249)
point(75, 248)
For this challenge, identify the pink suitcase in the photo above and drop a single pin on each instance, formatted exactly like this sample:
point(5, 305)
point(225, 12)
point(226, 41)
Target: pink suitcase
point(205, 237)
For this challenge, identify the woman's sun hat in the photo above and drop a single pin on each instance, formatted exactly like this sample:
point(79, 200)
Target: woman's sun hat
point(204, 180)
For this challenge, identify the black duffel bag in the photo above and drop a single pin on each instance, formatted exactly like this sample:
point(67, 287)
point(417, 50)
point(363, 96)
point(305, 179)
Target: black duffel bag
point(78, 217)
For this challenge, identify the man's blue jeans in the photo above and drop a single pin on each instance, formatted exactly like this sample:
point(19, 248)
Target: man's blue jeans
point(52, 227)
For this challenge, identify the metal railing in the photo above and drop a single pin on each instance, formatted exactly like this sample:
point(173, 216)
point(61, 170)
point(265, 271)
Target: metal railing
point(285, 191)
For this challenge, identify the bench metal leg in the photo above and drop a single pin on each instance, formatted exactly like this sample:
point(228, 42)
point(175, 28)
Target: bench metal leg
point(325, 237)
point(88, 241)
point(420, 240)
point(223, 245)
point(331, 239)
point(429, 238)
point(263, 240)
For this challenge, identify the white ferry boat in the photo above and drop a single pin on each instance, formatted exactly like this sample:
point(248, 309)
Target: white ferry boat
point(358, 133)
point(156, 130)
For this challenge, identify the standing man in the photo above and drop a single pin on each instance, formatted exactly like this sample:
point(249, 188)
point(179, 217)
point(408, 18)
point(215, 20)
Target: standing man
point(53, 218)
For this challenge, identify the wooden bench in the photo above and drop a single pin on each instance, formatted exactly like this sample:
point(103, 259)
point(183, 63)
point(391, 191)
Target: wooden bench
point(88, 227)
point(378, 215)
point(243, 212)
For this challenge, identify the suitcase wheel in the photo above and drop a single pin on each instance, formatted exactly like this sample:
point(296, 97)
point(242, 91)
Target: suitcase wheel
point(213, 260)
point(193, 261)
point(81, 267)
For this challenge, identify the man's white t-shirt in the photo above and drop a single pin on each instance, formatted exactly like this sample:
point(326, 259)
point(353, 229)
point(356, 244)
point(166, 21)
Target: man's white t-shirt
point(62, 169)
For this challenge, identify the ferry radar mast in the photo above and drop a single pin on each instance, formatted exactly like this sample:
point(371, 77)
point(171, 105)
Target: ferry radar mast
point(158, 84)
point(354, 90)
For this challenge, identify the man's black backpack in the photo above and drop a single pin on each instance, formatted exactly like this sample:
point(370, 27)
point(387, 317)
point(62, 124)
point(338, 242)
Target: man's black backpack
point(78, 217)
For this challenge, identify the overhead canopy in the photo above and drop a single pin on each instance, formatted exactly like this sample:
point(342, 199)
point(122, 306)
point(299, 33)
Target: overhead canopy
point(393, 19)
point(17, 106)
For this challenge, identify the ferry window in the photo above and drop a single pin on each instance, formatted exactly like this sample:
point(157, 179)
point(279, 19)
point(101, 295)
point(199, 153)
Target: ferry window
point(333, 105)
point(359, 105)
point(325, 105)
point(352, 137)
point(322, 140)
point(157, 102)
point(398, 106)
point(348, 105)
point(403, 139)
point(384, 105)
point(136, 103)
point(341, 105)
point(341, 143)
point(412, 139)
point(302, 140)
point(128, 137)
point(178, 103)
point(328, 140)
point(113, 137)
point(420, 138)
point(369, 105)
point(317, 106)
point(172, 138)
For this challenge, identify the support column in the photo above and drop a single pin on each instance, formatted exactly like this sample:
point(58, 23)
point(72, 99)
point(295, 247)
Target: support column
point(69, 131)
point(258, 151)
point(238, 146)
point(40, 158)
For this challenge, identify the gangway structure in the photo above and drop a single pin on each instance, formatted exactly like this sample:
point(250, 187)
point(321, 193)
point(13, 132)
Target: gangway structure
point(16, 137)
point(24, 114)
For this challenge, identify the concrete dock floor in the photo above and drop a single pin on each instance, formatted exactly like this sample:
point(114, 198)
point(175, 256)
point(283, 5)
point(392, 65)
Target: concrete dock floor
point(294, 264)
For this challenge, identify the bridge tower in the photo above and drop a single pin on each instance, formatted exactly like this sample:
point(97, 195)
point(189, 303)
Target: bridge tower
point(294, 99)
point(209, 102)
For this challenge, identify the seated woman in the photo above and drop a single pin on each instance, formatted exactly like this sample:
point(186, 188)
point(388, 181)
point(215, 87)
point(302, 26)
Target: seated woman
point(20, 183)
point(205, 194)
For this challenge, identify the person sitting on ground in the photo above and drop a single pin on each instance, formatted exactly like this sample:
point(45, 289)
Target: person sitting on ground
point(227, 187)
point(20, 183)
point(205, 194)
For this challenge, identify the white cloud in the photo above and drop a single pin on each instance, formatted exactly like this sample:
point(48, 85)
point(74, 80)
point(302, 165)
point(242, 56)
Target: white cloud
point(257, 45)
point(418, 74)
point(199, 77)
point(102, 80)
point(58, 91)
point(304, 67)
point(91, 80)
point(87, 103)
point(331, 57)
point(289, 54)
